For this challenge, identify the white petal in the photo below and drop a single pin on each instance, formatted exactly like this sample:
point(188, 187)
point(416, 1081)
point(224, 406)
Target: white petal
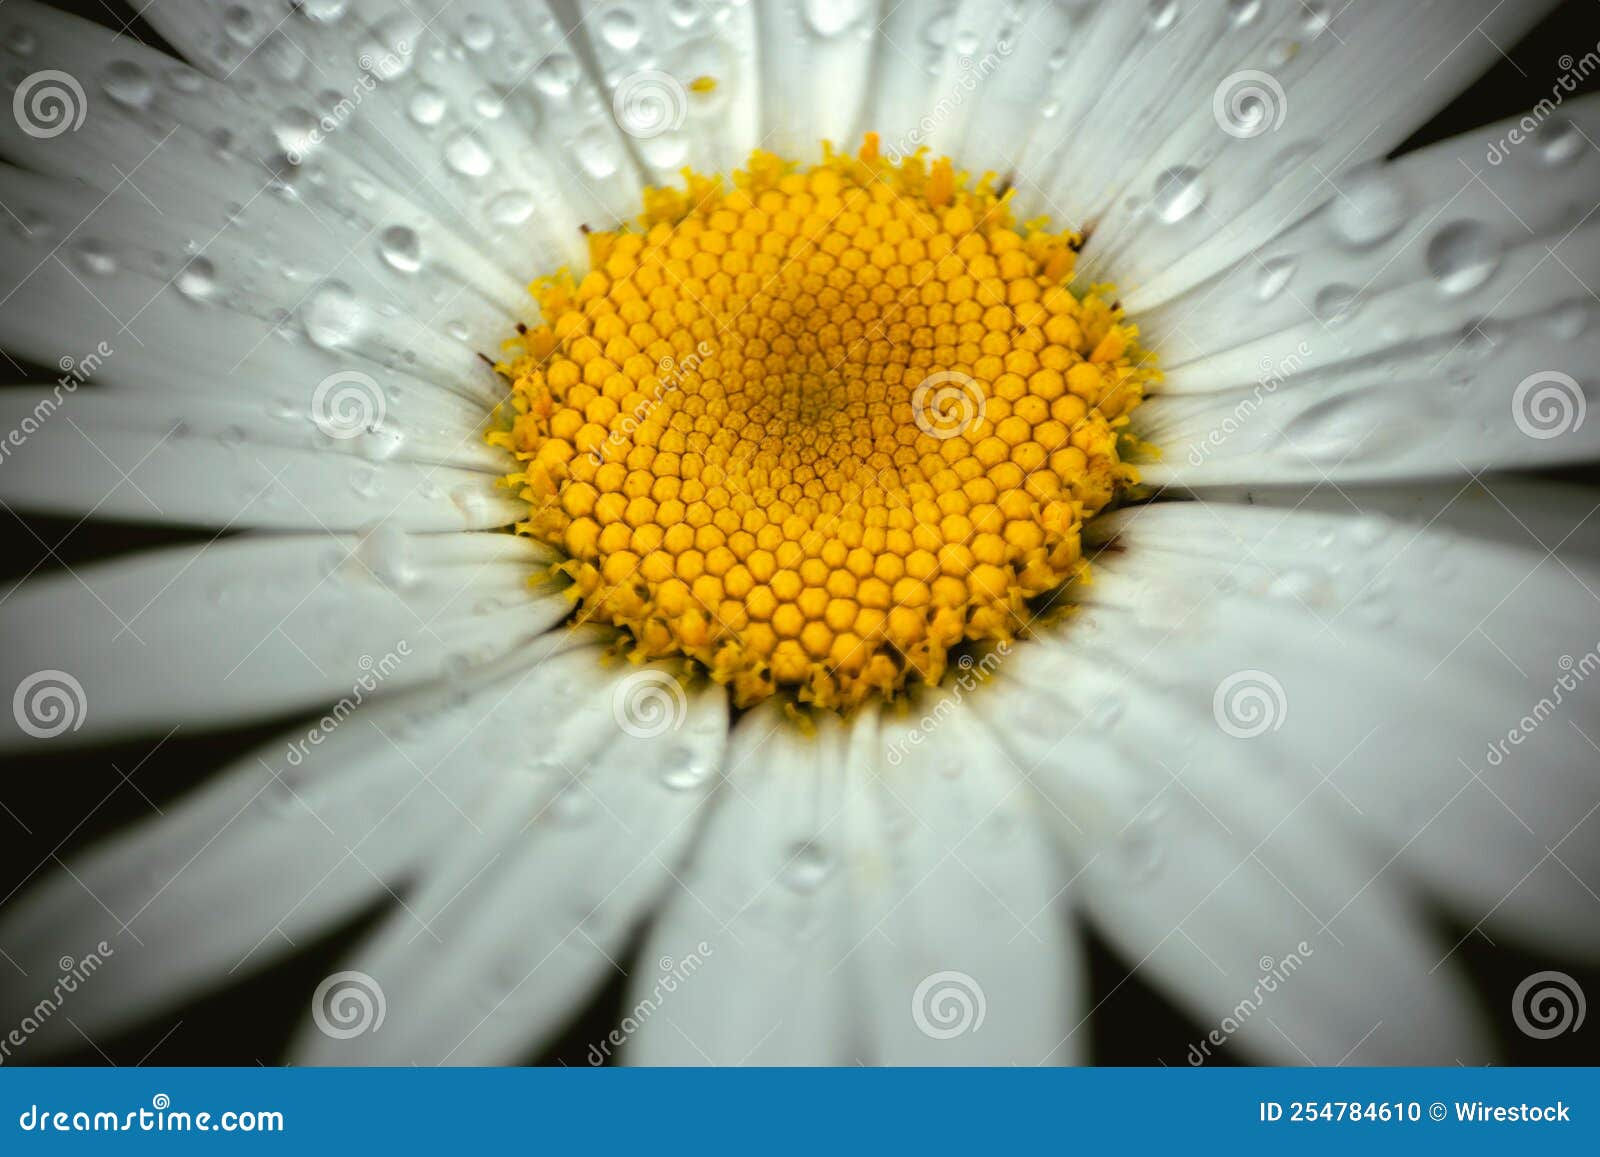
point(763, 910)
point(295, 838)
point(252, 626)
point(1435, 318)
point(337, 461)
point(1433, 691)
point(526, 917)
point(964, 947)
point(1214, 878)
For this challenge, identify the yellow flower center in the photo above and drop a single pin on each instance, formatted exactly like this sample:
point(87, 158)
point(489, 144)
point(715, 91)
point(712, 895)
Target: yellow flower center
point(816, 429)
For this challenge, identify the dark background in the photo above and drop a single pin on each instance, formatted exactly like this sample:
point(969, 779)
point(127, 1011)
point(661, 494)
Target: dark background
point(42, 800)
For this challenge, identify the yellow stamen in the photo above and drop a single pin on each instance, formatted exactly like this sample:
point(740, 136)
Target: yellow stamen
point(818, 428)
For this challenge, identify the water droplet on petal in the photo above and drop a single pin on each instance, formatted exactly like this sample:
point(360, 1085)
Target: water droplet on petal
point(96, 257)
point(1273, 275)
point(806, 868)
point(831, 17)
point(686, 769)
point(1334, 304)
point(477, 34)
point(1369, 207)
point(427, 106)
point(197, 280)
point(1558, 141)
point(1178, 193)
point(1462, 256)
point(332, 316)
point(465, 153)
point(128, 84)
point(511, 208)
point(401, 249)
point(556, 75)
point(620, 28)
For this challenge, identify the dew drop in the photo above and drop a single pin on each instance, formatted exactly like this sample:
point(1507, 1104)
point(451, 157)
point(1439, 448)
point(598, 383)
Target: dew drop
point(323, 11)
point(556, 75)
point(197, 280)
point(92, 256)
point(594, 152)
point(239, 23)
point(21, 41)
point(1369, 207)
point(511, 208)
point(620, 28)
point(400, 248)
point(1178, 193)
point(1334, 304)
point(685, 769)
point(806, 868)
point(477, 34)
point(1462, 256)
point(1272, 276)
point(1558, 141)
point(1243, 12)
point(1161, 15)
point(683, 13)
point(332, 316)
point(386, 553)
point(128, 84)
point(830, 17)
point(465, 153)
point(427, 106)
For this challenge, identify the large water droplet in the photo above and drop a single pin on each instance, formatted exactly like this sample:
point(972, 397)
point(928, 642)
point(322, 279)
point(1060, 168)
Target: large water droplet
point(831, 17)
point(95, 256)
point(128, 84)
point(386, 553)
point(477, 34)
point(1162, 14)
point(806, 868)
point(323, 11)
point(427, 106)
point(512, 208)
point(1178, 193)
point(1334, 304)
point(465, 153)
point(1369, 207)
point(1273, 275)
point(400, 248)
point(620, 28)
point(333, 316)
point(197, 280)
point(595, 153)
point(392, 47)
point(556, 75)
point(685, 769)
point(1558, 141)
point(1462, 256)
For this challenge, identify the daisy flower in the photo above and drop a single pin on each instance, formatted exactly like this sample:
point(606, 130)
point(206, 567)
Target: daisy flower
point(810, 506)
